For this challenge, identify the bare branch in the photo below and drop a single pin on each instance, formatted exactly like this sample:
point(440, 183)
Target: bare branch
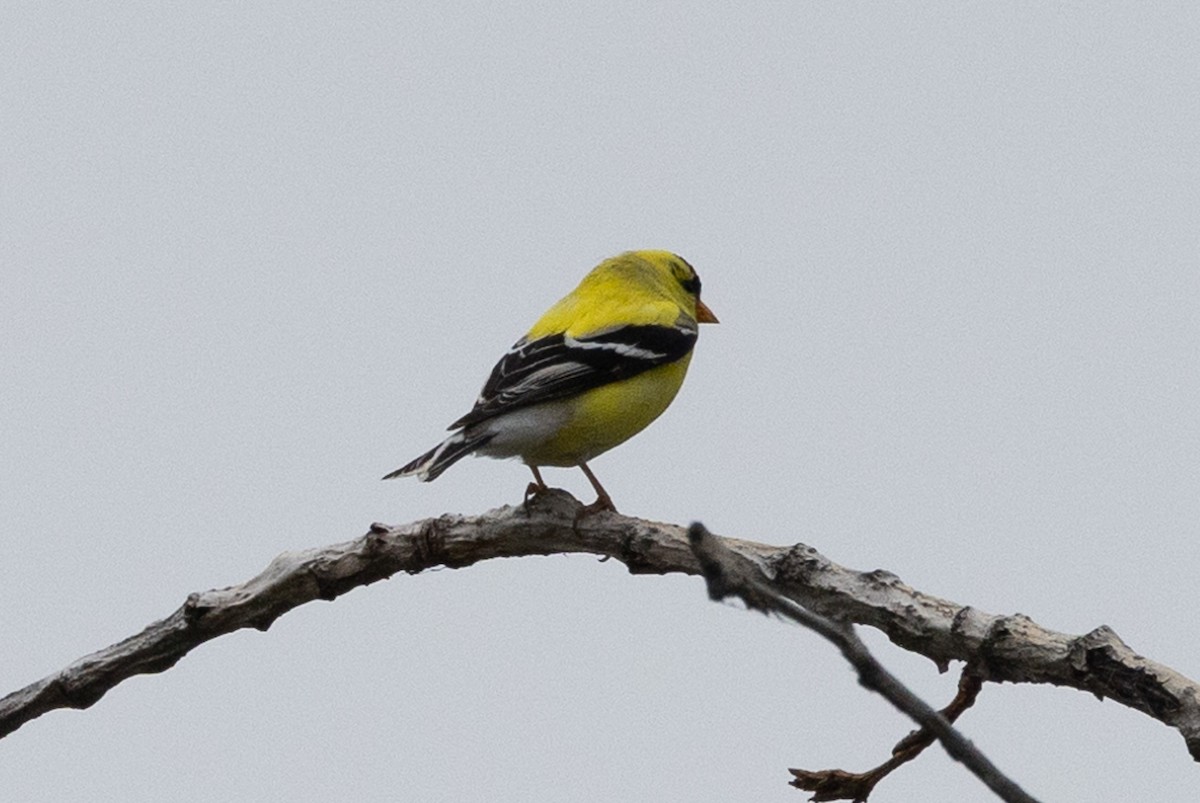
point(999, 648)
point(727, 577)
point(857, 786)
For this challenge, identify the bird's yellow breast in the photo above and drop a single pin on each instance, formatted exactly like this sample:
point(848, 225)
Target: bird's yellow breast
point(609, 415)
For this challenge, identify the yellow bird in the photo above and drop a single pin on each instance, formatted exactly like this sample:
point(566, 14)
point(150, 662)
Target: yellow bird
point(594, 371)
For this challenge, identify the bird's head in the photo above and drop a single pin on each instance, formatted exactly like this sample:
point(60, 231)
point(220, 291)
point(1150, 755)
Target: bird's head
point(680, 275)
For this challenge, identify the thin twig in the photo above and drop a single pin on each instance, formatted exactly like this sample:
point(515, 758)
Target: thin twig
point(728, 577)
point(830, 785)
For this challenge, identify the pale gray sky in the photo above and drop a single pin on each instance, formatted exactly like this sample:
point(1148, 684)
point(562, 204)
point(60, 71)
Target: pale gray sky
point(255, 257)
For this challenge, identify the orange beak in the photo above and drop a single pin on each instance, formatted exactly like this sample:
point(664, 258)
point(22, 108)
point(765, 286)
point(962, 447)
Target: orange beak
point(704, 314)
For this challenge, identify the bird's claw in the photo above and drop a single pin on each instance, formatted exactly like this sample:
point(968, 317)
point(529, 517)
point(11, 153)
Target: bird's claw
point(603, 504)
point(531, 492)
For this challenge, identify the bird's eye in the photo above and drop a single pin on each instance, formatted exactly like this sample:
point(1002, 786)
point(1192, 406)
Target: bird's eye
point(692, 285)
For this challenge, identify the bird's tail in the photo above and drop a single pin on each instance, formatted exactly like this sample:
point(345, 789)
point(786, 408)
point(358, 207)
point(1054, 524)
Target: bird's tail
point(430, 465)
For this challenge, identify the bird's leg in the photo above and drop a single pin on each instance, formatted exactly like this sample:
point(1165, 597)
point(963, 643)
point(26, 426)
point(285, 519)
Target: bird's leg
point(603, 500)
point(534, 488)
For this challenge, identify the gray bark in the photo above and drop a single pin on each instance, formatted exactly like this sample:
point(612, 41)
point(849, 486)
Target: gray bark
point(999, 648)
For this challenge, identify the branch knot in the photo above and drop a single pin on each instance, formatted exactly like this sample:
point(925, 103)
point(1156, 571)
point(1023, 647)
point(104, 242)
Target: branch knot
point(798, 564)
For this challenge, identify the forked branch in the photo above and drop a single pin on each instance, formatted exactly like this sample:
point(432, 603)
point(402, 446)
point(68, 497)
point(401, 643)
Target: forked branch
point(998, 648)
point(726, 577)
point(829, 785)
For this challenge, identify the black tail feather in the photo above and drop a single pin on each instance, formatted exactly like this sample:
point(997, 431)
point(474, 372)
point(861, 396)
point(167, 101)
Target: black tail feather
point(430, 465)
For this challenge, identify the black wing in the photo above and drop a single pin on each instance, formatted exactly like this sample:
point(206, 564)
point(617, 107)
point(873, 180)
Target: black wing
point(557, 366)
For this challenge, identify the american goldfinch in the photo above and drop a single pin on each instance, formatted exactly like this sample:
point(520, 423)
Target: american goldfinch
point(594, 371)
